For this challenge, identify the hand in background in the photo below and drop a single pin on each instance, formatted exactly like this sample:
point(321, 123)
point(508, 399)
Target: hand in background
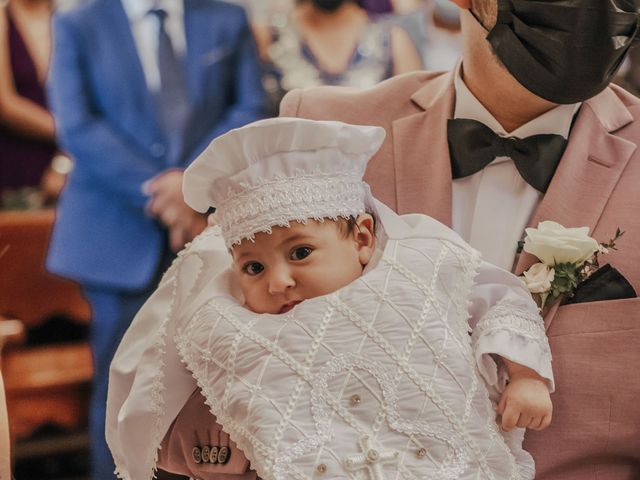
point(167, 204)
point(55, 177)
point(525, 402)
point(189, 227)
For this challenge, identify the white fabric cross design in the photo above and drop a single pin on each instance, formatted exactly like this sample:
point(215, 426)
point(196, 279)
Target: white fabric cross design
point(371, 459)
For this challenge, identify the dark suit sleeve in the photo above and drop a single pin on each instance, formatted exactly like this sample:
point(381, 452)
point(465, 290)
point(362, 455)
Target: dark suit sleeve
point(249, 98)
point(103, 156)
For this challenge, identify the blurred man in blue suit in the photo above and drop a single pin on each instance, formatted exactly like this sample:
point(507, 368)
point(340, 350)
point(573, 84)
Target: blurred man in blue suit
point(138, 88)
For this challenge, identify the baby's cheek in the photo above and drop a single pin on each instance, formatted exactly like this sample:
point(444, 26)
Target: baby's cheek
point(251, 300)
point(341, 276)
point(257, 305)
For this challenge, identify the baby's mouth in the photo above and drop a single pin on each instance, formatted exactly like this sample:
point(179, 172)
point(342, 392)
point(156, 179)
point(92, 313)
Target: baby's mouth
point(285, 308)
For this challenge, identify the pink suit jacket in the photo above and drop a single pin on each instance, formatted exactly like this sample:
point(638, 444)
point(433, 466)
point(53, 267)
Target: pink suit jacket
point(595, 432)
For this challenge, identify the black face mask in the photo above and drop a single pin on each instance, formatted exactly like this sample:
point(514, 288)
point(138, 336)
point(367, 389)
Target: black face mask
point(564, 51)
point(327, 5)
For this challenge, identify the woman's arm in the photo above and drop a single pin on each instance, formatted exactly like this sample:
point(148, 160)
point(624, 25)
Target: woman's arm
point(16, 112)
point(403, 52)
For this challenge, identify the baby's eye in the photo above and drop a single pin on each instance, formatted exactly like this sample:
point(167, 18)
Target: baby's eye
point(253, 268)
point(301, 252)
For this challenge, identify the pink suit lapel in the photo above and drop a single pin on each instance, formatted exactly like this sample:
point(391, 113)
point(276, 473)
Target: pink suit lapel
point(421, 153)
point(588, 170)
point(587, 174)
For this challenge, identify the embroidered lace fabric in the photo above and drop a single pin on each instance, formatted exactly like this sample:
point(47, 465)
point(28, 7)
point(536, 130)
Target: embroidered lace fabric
point(385, 362)
point(399, 369)
point(278, 201)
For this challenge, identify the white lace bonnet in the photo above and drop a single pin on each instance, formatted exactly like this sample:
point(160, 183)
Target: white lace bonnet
point(278, 170)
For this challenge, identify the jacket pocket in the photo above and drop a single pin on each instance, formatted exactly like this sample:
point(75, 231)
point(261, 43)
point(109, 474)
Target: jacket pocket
point(596, 317)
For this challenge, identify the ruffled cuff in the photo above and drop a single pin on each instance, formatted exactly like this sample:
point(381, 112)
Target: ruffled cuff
point(514, 334)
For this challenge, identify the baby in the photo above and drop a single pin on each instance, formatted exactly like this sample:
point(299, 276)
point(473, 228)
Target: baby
point(276, 271)
point(338, 341)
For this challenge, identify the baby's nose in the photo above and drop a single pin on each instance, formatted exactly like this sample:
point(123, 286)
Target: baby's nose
point(280, 281)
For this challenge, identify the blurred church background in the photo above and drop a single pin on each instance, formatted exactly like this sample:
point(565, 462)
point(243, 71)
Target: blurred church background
point(45, 322)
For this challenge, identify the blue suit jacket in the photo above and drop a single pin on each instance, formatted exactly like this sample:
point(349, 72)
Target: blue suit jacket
point(106, 120)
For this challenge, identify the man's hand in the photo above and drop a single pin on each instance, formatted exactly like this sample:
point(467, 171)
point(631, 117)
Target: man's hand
point(165, 192)
point(525, 402)
point(167, 204)
point(191, 224)
point(193, 428)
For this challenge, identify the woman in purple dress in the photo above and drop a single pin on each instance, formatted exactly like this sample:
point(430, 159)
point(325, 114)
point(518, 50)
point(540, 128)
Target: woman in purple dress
point(334, 42)
point(377, 7)
point(26, 126)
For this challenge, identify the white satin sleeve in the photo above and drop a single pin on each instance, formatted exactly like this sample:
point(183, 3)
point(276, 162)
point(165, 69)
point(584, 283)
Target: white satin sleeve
point(505, 321)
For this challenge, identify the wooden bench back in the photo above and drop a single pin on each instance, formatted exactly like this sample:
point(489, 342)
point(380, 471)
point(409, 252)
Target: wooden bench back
point(27, 291)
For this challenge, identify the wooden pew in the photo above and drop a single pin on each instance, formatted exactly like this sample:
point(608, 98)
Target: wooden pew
point(46, 384)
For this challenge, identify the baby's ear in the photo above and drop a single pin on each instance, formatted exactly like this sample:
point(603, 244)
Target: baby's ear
point(365, 237)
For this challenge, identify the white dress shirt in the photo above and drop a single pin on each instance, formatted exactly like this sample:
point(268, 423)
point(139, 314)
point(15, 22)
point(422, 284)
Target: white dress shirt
point(145, 26)
point(491, 208)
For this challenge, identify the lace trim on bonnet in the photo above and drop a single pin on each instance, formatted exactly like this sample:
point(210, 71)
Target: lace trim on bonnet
point(277, 202)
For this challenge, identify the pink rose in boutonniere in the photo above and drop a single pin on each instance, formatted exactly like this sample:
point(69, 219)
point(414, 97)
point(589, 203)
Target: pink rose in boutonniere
point(567, 257)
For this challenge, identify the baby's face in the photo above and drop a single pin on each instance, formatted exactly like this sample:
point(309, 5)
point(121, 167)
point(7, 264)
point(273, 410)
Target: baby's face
point(279, 270)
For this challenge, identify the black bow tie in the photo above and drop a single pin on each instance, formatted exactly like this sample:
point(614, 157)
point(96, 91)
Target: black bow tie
point(473, 145)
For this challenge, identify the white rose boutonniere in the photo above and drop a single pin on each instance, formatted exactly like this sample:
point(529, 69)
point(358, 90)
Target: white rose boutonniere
point(553, 244)
point(539, 277)
point(567, 257)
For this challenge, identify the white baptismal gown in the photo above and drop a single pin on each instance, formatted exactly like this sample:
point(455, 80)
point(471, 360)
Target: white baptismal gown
point(387, 378)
